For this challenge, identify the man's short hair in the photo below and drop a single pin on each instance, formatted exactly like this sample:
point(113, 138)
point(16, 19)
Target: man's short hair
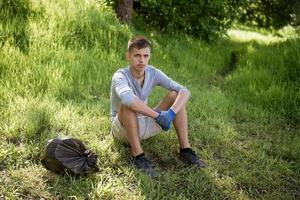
point(138, 42)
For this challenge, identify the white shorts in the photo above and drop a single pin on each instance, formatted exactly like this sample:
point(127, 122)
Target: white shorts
point(147, 128)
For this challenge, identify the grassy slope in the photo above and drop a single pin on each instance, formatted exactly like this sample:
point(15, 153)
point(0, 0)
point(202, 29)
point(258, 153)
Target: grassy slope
point(244, 111)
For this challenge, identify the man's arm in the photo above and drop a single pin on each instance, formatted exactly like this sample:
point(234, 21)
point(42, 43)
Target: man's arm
point(181, 99)
point(166, 117)
point(126, 94)
point(139, 106)
point(183, 93)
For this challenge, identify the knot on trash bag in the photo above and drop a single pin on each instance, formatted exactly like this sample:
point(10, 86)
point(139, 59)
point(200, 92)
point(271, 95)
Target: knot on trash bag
point(90, 157)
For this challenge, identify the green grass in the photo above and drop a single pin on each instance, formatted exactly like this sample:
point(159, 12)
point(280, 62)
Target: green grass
point(243, 114)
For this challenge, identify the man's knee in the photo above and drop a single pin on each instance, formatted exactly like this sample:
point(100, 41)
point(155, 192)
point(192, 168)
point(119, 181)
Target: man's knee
point(123, 108)
point(125, 112)
point(172, 96)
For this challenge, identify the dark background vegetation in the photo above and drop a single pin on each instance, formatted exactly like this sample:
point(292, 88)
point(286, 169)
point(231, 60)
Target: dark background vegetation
point(200, 18)
point(210, 19)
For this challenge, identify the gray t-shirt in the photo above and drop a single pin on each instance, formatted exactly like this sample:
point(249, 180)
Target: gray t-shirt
point(125, 88)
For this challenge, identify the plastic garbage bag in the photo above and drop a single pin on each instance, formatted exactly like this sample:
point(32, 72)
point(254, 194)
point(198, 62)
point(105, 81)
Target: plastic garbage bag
point(69, 156)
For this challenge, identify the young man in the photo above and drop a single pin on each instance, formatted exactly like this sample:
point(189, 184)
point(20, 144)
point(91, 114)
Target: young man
point(133, 120)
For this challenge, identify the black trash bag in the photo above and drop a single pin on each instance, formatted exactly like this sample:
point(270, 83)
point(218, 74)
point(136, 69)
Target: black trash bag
point(69, 156)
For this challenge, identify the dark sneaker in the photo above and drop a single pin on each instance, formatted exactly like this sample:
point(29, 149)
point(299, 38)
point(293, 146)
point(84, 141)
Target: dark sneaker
point(189, 157)
point(143, 164)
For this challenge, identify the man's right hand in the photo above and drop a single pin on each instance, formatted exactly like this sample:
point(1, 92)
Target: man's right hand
point(165, 119)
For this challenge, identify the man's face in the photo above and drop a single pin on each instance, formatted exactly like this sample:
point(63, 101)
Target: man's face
point(138, 58)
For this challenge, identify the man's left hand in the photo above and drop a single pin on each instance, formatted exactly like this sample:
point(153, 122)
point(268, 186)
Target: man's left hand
point(165, 119)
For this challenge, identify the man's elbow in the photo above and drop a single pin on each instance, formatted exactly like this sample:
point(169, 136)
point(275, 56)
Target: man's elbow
point(186, 92)
point(127, 100)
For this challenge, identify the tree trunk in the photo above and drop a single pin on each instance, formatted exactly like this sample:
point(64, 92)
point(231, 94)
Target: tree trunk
point(297, 13)
point(124, 10)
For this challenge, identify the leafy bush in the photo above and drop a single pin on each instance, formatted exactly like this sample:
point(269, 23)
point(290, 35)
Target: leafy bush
point(268, 13)
point(204, 19)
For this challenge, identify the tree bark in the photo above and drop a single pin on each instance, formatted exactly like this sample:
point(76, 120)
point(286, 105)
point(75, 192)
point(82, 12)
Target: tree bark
point(124, 10)
point(297, 13)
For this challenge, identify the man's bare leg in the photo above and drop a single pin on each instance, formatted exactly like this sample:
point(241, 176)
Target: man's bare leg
point(181, 127)
point(128, 119)
point(180, 121)
point(187, 155)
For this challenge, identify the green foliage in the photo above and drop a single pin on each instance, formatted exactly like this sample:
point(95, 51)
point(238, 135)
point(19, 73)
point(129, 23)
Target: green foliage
point(204, 19)
point(268, 13)
point(210, 19)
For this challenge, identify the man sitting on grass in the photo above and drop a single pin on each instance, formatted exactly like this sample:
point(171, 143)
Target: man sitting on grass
point(133, 120)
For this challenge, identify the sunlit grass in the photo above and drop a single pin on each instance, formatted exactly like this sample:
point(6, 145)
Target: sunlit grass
point(263, 37)
point(248, 36)
point(243, 114)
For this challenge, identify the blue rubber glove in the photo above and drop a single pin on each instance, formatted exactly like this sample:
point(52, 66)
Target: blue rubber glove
point(165, 119)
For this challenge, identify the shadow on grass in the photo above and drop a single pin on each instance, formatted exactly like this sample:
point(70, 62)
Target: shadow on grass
point(182, 183)
point(69, 187)
point(175, 181)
